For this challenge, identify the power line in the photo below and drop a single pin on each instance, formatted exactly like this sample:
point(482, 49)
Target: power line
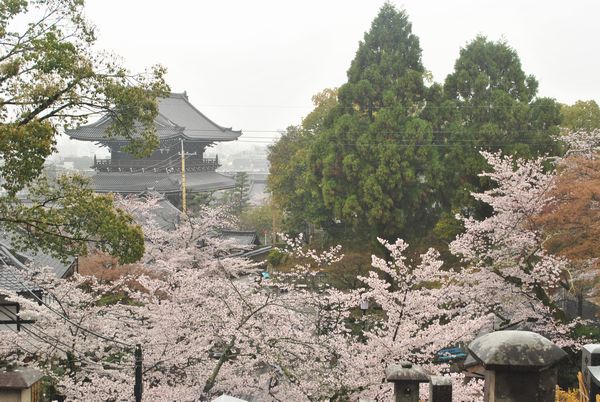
point(407, 144)
point(137, 349)
point(452, 107)
point(41, 301)
point(55, 342)
point(283, 131)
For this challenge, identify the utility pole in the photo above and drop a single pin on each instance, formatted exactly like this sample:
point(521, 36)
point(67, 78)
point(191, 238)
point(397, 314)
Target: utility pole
point(273, 230)
point(183, 189)
point(138, 388)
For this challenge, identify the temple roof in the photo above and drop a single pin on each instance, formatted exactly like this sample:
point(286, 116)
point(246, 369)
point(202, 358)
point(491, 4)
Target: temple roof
point(160, 182)
point(36, 259)
point(177, 117)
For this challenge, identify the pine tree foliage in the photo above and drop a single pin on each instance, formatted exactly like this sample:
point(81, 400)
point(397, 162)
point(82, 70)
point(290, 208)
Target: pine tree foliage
point(373, 162)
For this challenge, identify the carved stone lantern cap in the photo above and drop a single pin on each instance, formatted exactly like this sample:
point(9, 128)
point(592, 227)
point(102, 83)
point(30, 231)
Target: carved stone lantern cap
point(406, 372)
point(516, 350)
point(592, 348)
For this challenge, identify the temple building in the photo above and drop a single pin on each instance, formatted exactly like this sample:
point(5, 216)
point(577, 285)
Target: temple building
point(178, 125)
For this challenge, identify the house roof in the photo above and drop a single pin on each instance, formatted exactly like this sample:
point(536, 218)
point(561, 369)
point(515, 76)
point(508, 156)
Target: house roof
point(19, 378)
point(118, 182)
point(11, 274)
point(257, 252)
point(177, 117)
point(241, 237)
point(12, 280)
point(165, 215)
point(37, 259)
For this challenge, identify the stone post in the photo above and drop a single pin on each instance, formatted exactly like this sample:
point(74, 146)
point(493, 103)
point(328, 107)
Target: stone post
point(590, 368)
point(519, 366)
point(440, 389)
point(406, 379)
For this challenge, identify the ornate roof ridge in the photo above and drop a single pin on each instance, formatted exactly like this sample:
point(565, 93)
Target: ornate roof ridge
point(177, 116)
point(186, 99)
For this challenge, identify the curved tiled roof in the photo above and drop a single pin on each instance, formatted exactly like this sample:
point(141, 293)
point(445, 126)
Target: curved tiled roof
point(115, 182)
point(37, 259)
point(177, 117)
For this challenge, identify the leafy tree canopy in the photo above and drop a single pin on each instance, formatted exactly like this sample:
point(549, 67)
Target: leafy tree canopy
point(373, 163)
point(583, 115)
point(51, 79)
point(489, 103)
point(293, 188)
point(394, 155)
point(484, 67)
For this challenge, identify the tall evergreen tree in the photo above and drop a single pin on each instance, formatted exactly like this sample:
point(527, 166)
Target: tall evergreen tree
point(238, 197)
point(489, 103)
point(373, 163)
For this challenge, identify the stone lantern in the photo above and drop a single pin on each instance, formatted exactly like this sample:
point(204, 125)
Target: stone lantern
point(406, 379)
point(440, 389)
point(519, 366)
point(590, 367)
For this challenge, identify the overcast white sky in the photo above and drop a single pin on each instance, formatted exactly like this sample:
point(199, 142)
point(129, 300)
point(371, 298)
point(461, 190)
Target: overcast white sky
point(254, 65)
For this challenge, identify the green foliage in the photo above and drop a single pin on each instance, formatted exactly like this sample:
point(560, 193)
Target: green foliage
point(117, 297)
point(487, 69)
point(447, 227)
point(290, 181)
point(489, 103)
point(394, 157)
point(197, 201)
point(583, 115)
point(51, 79)
point(238, 197)
point(259, 218)
point(276, 257)
point(589, 332)
point(294, 189)
point(372, 162)
point(324, 101)
point(24, 149)
point(63, 217)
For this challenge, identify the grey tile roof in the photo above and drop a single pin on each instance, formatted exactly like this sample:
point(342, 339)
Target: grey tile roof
point(257, 252)
point(239, 237)
point(12, 277)
point(177, 117)
point(37, 259)
point(12, 280)
point(118, 182)
point(19, 378)
point(165, 215)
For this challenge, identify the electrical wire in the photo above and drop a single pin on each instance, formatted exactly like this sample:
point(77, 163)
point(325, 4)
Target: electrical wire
point(452, 107)
point(44, 337)
point(62, 316)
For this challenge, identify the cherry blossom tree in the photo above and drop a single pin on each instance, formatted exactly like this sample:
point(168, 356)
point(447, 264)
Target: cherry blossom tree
point(508, 265)
point(506, 280)
point(208, 324)
point(423, 308)
point(205, 325)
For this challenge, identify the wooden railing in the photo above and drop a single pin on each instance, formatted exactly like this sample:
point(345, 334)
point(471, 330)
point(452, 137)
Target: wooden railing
point(580, 394)
point(146, 165)
point(583, 392)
